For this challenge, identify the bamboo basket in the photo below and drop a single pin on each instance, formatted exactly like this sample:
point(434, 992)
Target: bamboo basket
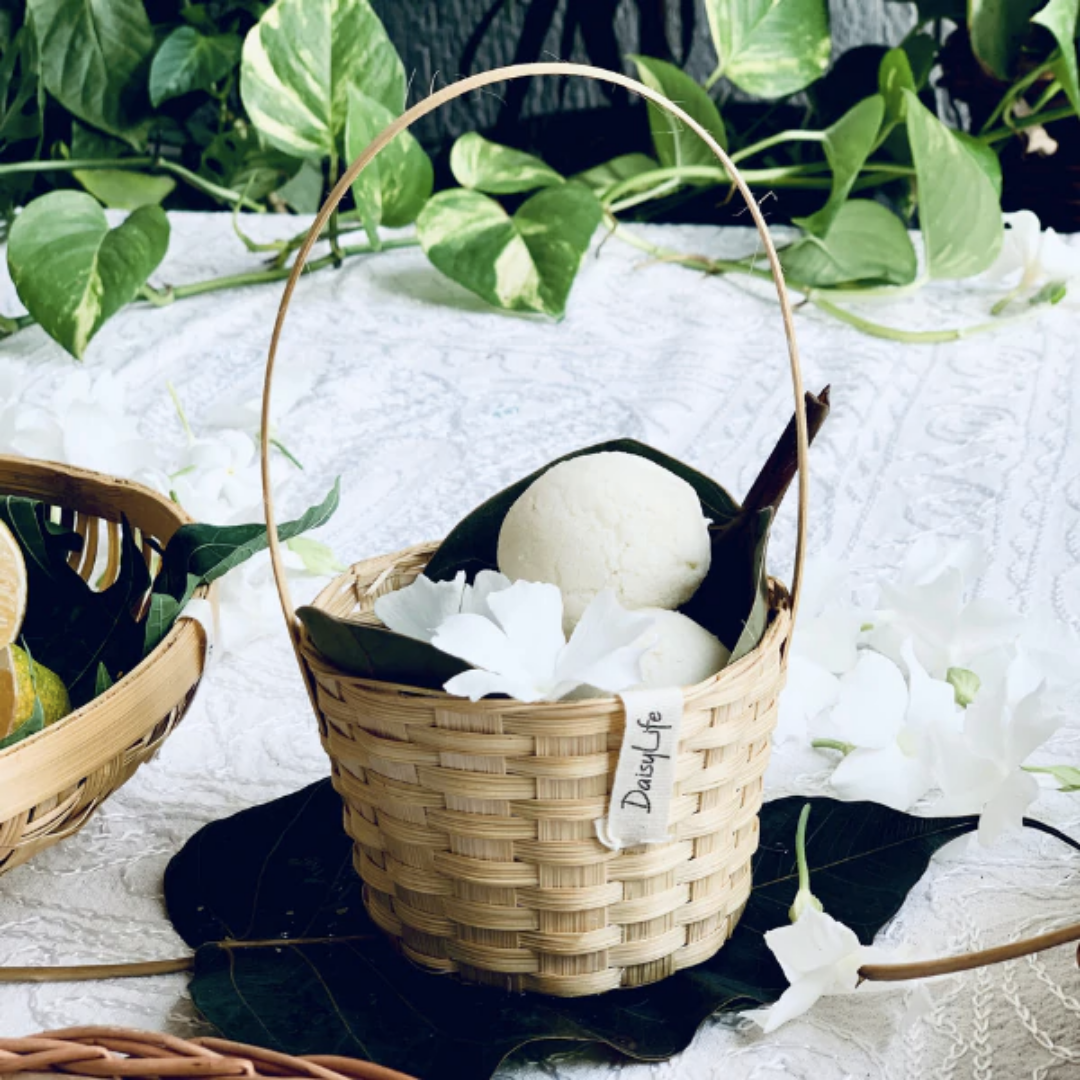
point(52, 782)
point(473, 823)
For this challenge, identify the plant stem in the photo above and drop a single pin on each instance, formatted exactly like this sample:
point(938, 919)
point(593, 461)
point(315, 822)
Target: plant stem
point(1017, 89)
point(336, 254)
point(134, 164)
point(1021, 122)
point(800, 849)
point(1048, 95)
point(775, 140)
point(925, 969)
point(845, 748)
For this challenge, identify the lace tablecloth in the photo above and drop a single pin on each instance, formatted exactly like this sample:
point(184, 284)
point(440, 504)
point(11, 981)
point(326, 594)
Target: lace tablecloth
point(425, 402)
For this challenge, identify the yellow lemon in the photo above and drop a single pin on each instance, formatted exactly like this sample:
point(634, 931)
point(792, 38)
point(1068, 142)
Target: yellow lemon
point(12, 587)
point(21, 684)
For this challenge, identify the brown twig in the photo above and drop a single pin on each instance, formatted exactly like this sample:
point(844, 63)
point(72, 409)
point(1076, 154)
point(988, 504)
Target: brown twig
point(925, 969)
point(779, 470)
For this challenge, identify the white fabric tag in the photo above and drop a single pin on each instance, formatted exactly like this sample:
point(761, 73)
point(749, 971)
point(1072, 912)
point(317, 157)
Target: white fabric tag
point(640, 805)
point(202, 611)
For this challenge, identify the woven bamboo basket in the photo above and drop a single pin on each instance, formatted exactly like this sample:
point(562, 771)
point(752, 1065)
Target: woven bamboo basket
point(103, 1052)
point(473, 823)
point(52, 782)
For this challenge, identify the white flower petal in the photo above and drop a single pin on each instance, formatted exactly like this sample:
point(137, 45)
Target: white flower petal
point(475, 599)
point(887, 776)
point(480, 642)
point(1004, 812)
point(831, 640)
point(797, 999)
point(419, 609)
point(810, 690)
point(815, 941)
point(476, 684)
point(531, 614)
point(931, 702)
point(872, 703)
point(606, 647)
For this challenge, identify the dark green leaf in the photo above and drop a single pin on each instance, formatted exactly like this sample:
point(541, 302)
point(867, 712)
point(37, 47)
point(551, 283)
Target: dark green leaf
point(770, 48)
point(482, 165)
point(69, 627)
point(188, 60)
point(238, 160)
point(72, 271)
point(373, 652)
point(959, 210)
point(997, 29)
point(304, 190)
point(985, 157)
point(283, 872)
point(921, 51)
point(164, 610)
point(94, 59)
point(207, 552)
point(472, 545)
point(21, 106)
point(122, 189)
point(847, 145)
point(103, 680)
point(865, 243)
point(676, 144)
point(299, 63)
point(602, 177)
point(34, 724)
point(527, 262)
point(1060, 18)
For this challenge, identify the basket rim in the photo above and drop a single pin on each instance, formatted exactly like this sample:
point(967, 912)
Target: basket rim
point(185, 640)
point(779, 602)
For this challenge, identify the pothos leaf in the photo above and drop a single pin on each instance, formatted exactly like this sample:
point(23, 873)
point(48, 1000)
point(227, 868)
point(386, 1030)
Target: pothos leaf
point(330, 983)
point(1060, 18)
point(188, 60)
point(72, 271)
point(524, 262)
point(299, 62)
point(676, 144)
point(997, 29)
point(483, 165)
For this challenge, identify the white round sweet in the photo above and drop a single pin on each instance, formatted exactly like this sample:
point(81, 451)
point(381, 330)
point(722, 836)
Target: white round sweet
point(609, 520)
point(685, 652)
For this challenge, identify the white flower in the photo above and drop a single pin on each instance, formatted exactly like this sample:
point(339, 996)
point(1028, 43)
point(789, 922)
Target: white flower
point(824, 646)
point(1031, 257)
point(521, 650)
point(892, 724)
point(219, 480)
point(418, 610)
point(85, 425)
point(979, 768)
point(928, 606)
point(244, 412)
point(819, 956)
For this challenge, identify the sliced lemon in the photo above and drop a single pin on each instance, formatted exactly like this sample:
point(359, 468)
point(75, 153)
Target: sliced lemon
point(22, 685)
point(12, 587)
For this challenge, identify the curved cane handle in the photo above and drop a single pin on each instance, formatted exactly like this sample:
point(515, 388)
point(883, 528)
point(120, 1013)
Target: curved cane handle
point(430, 104)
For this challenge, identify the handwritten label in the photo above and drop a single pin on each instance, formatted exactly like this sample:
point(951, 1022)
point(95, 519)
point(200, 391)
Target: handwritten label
point(640, 805)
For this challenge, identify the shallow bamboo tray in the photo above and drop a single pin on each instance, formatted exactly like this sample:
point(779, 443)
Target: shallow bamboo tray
point(52, 782)
point(474, 823)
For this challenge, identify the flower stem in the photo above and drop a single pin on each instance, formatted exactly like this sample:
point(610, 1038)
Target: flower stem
point(845, 748)
point(800, 849)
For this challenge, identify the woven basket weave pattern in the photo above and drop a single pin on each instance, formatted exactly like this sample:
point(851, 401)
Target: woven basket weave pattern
point(67, 771)
point(474, 822)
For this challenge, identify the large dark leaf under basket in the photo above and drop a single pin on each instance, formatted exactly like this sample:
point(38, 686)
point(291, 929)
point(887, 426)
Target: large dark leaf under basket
point(473, 823)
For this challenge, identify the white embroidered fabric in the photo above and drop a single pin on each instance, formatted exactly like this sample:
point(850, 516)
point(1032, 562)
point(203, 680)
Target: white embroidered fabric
point(426, 403)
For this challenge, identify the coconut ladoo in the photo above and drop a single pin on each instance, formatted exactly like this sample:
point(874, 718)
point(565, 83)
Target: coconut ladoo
point(23, 684)
point(12, 587)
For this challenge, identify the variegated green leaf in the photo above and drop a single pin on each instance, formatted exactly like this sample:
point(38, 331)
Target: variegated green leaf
point(299, 62)
point(847, 145)
point(72, 271)
point(959, 210)
point(524, 263)
point(393, 189)
point(770, 48)
point(675, 143)
point(483, 165)
point(93, 59)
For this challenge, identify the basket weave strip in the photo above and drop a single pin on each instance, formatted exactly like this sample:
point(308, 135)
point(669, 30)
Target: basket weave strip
point(474, 822)
point(51, 783)
point(109, 1052)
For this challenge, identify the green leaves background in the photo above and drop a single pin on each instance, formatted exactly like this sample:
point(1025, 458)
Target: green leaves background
point(255, 104)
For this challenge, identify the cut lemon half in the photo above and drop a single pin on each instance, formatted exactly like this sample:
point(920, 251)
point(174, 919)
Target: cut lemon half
point(24, 686)
point(12, 587)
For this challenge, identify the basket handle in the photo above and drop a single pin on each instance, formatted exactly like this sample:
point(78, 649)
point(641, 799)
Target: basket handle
point(406, 120)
